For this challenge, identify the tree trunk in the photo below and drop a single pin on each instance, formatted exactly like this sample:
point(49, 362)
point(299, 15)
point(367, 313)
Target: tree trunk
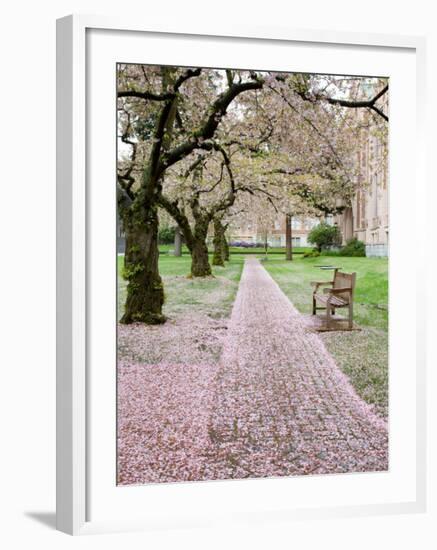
point(177, 242)
point(145, 292)
point(219, 246)
point(200, 266)
point(288, 238)
point(226, 248)
point(199, 259)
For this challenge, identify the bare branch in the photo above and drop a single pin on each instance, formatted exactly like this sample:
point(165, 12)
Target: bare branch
point(370, 103)
point(151, 96)
point(148, 96)
point(217, 112)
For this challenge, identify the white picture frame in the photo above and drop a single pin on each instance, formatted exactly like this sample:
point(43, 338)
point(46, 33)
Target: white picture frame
point(74, 396)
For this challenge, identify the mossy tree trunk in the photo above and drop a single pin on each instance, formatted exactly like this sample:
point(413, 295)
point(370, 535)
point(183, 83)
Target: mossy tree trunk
point(219, 243)
point(226, 248)
point(194, 235)
point(177, 242)
point(139, 212)
point(200, 266)
point(145, 293)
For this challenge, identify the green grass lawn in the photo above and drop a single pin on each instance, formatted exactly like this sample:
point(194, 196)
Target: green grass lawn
point(238, 250)
point(371, 291)
point(213, 296)
point(363, 355)
point(271, 250)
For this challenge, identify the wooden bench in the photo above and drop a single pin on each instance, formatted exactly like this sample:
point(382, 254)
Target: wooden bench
point(340, 293)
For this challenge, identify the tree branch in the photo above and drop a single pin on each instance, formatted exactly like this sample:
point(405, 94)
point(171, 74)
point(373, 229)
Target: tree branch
point(151, 96)
point(181, 219)
point(148, 96)
point(370, 104)
point(310, 123)
point(217, 112)
point(210, 189)
point(126, 180)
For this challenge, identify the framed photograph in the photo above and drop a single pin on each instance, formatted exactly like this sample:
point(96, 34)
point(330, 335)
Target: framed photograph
point(240, 323)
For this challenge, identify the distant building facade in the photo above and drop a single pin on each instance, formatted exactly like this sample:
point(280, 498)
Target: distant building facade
point(367, 215)
point(255, 233)
point(367, 218)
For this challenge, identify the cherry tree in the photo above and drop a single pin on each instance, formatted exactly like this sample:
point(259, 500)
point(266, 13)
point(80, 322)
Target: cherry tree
point(201, 186)
point(195, 140)
point(179, 118)
point(199, 195)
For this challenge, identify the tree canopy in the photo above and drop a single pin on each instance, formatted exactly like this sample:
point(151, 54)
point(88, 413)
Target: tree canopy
point(206, 145)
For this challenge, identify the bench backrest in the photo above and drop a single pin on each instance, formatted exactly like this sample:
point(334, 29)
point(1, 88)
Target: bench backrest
point(344, 280)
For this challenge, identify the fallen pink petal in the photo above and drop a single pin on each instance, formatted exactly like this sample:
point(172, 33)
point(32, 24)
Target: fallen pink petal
point(273, 406)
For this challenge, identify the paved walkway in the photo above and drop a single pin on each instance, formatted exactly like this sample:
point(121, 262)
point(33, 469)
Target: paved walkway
point(277, 404)
point(282, 405)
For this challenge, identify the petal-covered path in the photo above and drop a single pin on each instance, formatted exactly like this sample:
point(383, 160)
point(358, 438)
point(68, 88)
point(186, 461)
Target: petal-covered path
point(277, 404)
point(282, 405)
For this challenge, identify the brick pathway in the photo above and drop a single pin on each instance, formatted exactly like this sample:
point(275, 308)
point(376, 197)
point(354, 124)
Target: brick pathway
point(282, 405)
point(277, 404)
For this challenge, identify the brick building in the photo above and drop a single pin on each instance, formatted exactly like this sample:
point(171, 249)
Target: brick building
point(367, 218)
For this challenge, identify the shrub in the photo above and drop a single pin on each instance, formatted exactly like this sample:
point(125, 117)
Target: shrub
point(166, 235)
point(353, 247)
point(312, 254)
point(324, 235)
point(244, 244)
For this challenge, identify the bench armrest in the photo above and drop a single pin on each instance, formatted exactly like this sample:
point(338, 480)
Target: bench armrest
point(321, 283)
point(337, 290)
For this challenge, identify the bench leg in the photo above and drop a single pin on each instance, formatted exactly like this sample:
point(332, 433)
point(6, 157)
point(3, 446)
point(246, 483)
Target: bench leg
point(314, 305)
point(328, 316)
point(351, 314)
